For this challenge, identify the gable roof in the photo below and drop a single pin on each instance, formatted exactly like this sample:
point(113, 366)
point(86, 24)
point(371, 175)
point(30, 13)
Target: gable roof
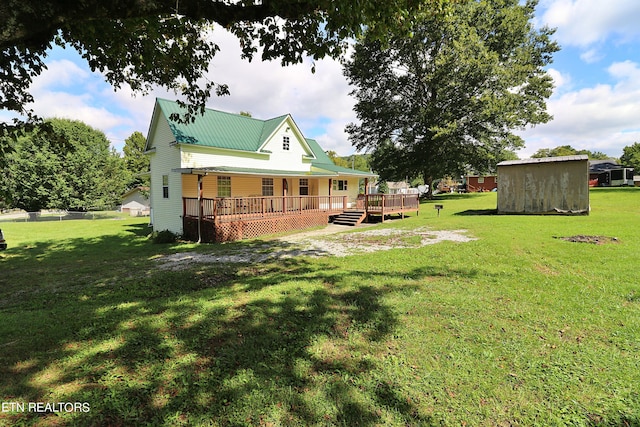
point(218, 129)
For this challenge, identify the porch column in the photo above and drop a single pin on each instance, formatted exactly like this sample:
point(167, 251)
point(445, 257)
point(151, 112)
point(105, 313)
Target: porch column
point(366, 186)
point(200, 208)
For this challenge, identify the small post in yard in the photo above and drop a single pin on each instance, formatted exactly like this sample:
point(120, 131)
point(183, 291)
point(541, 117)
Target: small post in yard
point(438, 207)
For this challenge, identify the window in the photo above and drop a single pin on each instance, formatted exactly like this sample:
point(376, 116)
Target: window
point(267, 186)
point(617, 174)
point(340, 185)
point(285, 143)
point(304, 187)
point(224, 186)
point(481, 180)
point(165, 186)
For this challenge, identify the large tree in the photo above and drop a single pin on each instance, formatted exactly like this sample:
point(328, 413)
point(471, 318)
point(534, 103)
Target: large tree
point(136, 162)
point(166, 42)
point(450, 96)
point(631, 157)
point(62, 164)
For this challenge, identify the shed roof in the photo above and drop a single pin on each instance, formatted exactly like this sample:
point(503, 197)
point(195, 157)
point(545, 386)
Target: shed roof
point(579, 157)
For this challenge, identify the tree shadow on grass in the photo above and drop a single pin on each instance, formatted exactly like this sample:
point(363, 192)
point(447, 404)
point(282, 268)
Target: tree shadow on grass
point(290, 342)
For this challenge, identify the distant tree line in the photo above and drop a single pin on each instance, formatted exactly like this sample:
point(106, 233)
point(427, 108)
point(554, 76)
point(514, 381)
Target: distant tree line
point(66, 164)
point(567, 150)
point(360, 162)
point(630, 154)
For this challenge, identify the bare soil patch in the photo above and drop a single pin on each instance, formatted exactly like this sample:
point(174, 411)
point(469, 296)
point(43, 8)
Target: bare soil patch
point(596, 240)
point(330, 241)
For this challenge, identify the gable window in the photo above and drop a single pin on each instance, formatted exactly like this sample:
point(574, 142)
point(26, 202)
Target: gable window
point(285, 143)
point(267, 186)
point(340, 184)
point(165, 186)
point(304, 187)
point(224, 186)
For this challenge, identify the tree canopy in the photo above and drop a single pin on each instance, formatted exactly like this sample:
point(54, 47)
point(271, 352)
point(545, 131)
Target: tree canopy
point(168, 42)
point(567, 150)
point(62, 164)
point(631, 157)
point(450, 96)
point(136, 162)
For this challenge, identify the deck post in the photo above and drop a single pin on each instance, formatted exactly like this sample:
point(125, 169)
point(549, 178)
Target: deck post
point(200, 208)
point(382, 208)
point(344, 203)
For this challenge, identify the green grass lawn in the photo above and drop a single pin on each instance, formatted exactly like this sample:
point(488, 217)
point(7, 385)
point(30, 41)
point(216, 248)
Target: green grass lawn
point(518, 327)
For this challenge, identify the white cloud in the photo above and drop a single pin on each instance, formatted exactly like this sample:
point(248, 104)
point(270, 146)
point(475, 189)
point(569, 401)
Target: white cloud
point(592, 55)
point(60, 73)
point(584, 22)
point(560, 80)
point(266, 89)
point(599, 118)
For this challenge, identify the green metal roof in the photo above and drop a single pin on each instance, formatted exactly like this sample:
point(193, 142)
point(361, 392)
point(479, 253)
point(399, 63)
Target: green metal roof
point(339, 170)
point(219, 129)
point(236, 132)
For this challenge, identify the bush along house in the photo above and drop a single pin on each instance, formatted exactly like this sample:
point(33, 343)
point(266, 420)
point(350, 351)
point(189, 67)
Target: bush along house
point(227, 176)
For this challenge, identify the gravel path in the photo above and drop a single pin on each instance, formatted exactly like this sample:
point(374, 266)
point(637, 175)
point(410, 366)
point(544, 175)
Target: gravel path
point(329, 241)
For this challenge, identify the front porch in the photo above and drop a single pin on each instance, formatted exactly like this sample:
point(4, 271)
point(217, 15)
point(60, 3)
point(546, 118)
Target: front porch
point(233, 218)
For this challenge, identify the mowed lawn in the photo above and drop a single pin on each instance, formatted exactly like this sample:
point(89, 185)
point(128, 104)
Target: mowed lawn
point(518, 327)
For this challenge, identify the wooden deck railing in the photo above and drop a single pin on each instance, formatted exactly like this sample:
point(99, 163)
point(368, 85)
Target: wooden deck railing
point(227, 209)
point(381, 204)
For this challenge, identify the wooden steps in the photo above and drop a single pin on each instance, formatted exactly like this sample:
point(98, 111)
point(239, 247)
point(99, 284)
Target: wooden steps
point(351, 218)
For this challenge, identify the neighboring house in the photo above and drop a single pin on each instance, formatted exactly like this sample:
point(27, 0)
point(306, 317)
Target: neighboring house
point(636, 180)
point(398, 187)
point(479, 183)
point(228, 176)
point(608, 173)
point(135, 202)
point(545, 185)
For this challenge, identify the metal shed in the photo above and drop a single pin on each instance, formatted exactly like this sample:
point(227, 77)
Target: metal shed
point(546, 185)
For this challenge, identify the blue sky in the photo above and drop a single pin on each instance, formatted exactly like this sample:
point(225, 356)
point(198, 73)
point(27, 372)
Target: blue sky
point(596, 102)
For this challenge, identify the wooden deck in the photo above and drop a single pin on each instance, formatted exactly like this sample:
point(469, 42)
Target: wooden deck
point(234, 218)
point(231, 209)
point(389, 204)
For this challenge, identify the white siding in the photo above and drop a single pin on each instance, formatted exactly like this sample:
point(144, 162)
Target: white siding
point(167, 213)
point(291, 159)
point(194, 156)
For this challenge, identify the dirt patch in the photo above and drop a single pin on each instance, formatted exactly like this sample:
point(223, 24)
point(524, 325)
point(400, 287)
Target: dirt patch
point(331, 241)
point(596, 240)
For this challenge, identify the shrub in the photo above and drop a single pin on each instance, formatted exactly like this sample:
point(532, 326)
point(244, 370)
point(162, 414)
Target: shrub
point(164, 236)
